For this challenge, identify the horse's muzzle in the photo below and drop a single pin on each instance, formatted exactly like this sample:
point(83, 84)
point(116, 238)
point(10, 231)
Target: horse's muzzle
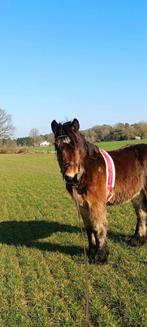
point(71, 180)
point(68, 179)
point(70, 171)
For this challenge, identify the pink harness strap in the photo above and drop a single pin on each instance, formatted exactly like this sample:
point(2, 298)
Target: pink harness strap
point(110, 173)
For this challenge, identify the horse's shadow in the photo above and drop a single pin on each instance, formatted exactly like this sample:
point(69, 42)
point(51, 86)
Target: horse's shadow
point(120, 238)
point(32, 233)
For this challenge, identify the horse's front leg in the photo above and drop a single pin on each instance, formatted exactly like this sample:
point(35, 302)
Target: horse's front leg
point(99, 229)
point(91, 242)
point(85, 211)
point(94, 217)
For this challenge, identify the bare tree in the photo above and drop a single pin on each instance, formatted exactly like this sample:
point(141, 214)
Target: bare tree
point(34, 133)
point(6, 127)
point(50, 138)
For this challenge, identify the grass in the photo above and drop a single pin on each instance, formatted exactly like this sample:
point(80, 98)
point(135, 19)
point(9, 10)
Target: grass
point(43, 149)
point(42, 281)
point(116, 144)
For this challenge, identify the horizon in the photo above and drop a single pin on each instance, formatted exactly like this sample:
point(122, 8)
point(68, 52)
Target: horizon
point(83, 130)
point(61, 60)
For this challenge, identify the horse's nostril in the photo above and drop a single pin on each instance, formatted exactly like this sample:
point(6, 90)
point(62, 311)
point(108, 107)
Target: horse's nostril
point(68, 178)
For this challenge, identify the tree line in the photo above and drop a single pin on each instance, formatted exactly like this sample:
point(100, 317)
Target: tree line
point(118, 132)
point(34, 138)
point(98, 133)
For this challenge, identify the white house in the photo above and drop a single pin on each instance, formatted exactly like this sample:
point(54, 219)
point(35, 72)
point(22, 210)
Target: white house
point(45, 143)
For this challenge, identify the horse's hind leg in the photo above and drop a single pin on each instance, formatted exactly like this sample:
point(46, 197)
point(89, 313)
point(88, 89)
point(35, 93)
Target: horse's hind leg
point(140, 206)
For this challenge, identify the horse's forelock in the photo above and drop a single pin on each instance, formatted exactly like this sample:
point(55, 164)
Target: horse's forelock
point(77, 139)
point(67, 130)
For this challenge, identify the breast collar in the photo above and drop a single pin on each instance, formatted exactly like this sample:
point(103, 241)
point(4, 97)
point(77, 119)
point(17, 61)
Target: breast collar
point(110, 174)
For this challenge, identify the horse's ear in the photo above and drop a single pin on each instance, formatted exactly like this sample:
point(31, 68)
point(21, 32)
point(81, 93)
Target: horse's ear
point(75, 125)
point(54, 126)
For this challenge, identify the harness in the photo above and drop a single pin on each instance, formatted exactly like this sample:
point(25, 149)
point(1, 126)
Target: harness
point(110, 173)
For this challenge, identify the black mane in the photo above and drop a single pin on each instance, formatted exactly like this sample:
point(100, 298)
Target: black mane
point(90, 149)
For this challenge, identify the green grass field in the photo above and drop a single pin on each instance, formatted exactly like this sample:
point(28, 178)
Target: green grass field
point(117, 144)
point(42, 281)
point(104, 145)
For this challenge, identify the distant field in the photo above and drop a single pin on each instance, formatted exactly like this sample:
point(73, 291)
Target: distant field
point(46, 149)
point(104, 145)
point(41, 254)
point(118, 144)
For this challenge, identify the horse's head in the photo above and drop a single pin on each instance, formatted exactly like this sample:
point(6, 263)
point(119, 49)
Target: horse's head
point(69, 149)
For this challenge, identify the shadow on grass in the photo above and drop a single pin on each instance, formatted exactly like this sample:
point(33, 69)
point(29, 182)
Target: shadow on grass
point(117, 237)
point(29, 233)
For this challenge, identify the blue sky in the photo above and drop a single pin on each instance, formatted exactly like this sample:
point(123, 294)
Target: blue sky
point(61, 59)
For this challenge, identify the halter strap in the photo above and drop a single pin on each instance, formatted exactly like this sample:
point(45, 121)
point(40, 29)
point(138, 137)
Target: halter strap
point(110, 173)
point(62, 136)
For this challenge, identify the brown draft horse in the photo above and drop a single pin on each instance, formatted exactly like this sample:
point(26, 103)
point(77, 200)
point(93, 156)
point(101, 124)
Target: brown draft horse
point(84, 171)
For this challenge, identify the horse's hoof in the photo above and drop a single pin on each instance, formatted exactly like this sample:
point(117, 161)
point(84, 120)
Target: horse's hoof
point(91, 255)
point(101, 256)
point(137, 240)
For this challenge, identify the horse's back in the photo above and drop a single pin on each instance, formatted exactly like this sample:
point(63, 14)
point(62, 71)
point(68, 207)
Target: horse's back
point(131, 152)
point(131, 170)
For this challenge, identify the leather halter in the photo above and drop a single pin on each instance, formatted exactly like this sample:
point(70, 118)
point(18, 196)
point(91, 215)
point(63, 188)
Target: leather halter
point(70, 163)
